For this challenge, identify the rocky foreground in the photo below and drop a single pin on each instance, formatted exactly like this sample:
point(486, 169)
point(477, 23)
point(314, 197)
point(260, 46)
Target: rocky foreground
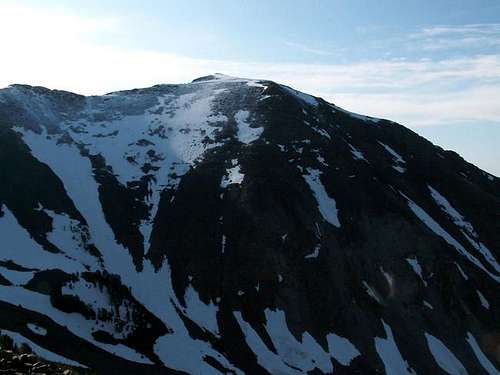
point(20, 360)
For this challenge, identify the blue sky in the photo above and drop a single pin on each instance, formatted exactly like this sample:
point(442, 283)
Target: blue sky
point(433, 66)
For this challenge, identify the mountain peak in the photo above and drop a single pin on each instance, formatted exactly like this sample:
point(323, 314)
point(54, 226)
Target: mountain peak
point(240, 226)
point(220, 77)
point(215, 76)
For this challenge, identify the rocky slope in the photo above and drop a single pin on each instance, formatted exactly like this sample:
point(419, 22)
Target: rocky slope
point(239, 226)
point(18, 360)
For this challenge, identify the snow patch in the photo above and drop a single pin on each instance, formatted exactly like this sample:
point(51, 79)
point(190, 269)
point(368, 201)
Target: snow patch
point(255, 83)
point(398, 159)
point(315, 253)
point(372, 292)
point(465, 227)
point(37, 329)
point(321, 132)
point(308, 99)
point(483, 300)
point(205, 315)
point(390, 355)
point(464, 275)
point(74, 322)
point(246, 134)
point(390, 281)
point(294, 356)
point(70, 237)
point(64, 160)
point(416, 268)
point(327, 206)
point(322, 160)
point(306, 354)
point(356, 154)
point(437, 229)
point(20, 248)
point(481, 357)
point(341, 349)
point(99, 299)
point(233, 176)
point(223, 244)
point(356, 115)
point(17, 277)
point(444, 357)
point(266, 358)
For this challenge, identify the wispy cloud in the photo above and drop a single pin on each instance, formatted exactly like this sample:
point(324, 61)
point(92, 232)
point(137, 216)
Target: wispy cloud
point(471, 29)
point(307, 49)
point(65, 50)
point(455, 37)
point(57, 50)
point(415, 93)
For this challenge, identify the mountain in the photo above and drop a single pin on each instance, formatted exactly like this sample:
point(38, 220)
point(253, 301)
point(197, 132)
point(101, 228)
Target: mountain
point(240, 226)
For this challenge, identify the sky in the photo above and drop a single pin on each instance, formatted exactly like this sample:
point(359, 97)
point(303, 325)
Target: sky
point(433, 66)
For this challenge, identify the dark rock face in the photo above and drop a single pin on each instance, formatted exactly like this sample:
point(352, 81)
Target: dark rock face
point(239, 226)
